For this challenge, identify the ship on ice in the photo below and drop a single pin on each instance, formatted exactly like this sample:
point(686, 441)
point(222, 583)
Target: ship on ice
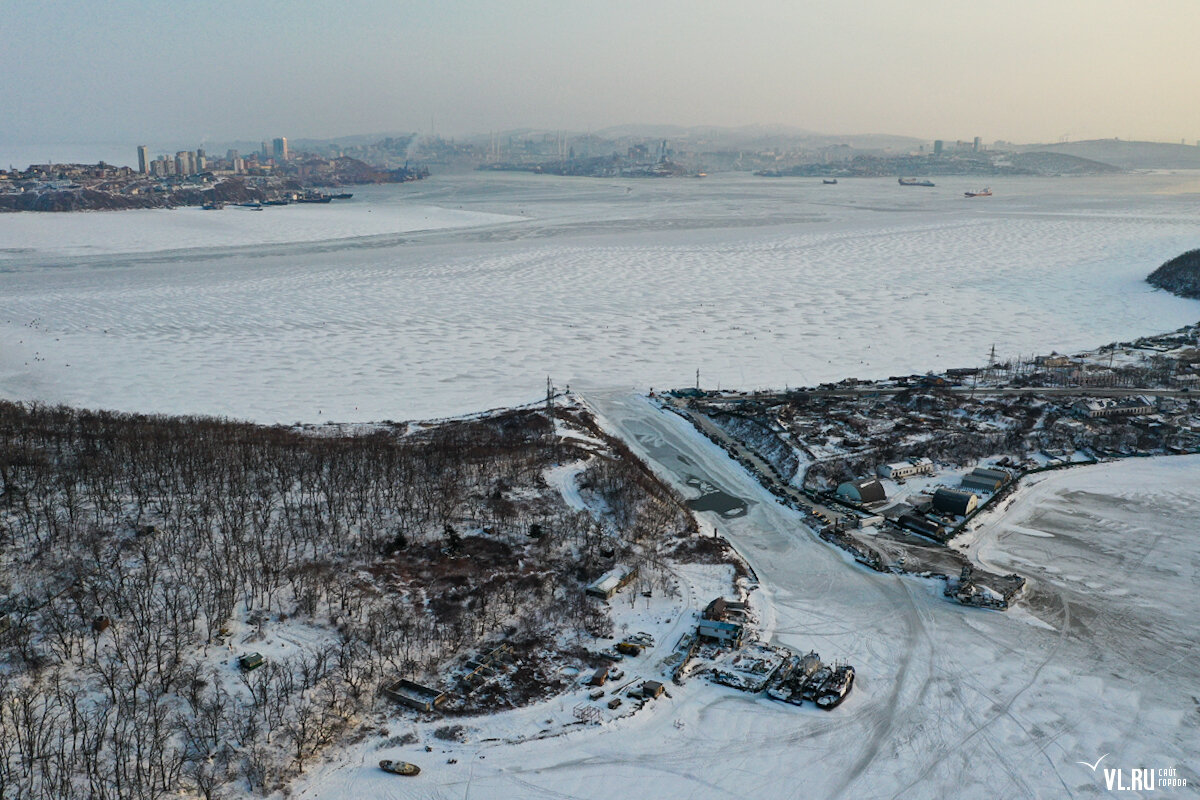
point(807, 678)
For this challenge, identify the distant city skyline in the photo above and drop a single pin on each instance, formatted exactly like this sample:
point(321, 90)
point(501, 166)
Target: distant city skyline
point(1015, 70)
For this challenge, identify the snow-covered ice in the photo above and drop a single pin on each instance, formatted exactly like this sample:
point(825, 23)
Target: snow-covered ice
point(633, 284)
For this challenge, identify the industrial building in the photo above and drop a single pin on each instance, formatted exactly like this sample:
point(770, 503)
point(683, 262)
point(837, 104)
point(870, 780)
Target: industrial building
point(905, 469)
point(978, 483)
point(864, 490)
point(1108, 407)
point(955, 501)
point(985, 480)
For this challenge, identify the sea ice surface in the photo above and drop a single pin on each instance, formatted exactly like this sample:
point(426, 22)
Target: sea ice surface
point(364, 311)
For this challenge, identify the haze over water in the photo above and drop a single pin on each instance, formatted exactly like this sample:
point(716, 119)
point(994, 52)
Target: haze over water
point(463, 293)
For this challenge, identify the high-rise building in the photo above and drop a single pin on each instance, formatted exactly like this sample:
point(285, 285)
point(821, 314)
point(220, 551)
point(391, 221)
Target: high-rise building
point(143, 159)
point(978, 145)
point(281, 151)
point(232, 155)
point(938, 144)
point(201, 160)
point(265, 152)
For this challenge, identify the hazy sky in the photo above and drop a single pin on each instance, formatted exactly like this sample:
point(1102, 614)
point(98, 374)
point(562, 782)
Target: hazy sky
point(184, 72)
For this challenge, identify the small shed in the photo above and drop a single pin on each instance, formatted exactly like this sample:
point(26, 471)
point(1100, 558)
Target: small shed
point(599, 676)
point(249, 661)
point(652, 689)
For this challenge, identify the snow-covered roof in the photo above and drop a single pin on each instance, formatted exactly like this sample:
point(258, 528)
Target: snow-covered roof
point(611, 580)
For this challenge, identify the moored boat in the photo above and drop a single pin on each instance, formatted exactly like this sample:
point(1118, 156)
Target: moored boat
point(915, 182)
point(399, 767)
point(986, 192)
point(835, 688)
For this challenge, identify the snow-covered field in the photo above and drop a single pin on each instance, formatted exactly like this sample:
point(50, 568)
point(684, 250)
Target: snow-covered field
point(363, 312)
point(949, 702)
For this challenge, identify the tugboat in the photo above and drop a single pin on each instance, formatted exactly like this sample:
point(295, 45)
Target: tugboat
point(981, 193)
point(915, 182)
point(399, 767)
point(829, 181)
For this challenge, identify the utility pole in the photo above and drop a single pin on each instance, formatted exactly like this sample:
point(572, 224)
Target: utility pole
point(697, 378)
point(549, 398)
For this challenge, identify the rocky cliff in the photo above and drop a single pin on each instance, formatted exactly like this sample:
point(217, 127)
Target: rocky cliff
point(1180, 275)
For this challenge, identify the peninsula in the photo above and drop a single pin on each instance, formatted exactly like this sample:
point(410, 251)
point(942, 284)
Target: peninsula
point(192, 178)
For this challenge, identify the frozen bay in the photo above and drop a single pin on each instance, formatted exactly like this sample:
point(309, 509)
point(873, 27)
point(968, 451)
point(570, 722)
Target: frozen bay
point(461, 293)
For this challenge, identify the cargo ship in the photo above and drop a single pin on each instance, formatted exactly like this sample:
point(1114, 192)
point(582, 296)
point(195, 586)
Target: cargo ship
point(980, 193)
point(915, 182)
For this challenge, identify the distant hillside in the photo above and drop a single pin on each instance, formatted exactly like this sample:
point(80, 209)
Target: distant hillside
point(1050, 163)
point(1129, 155)
point(1180, 275)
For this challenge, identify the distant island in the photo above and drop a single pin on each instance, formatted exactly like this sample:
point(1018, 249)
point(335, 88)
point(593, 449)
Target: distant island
point(967, 162)
point(191, 178)
point(1180, 275)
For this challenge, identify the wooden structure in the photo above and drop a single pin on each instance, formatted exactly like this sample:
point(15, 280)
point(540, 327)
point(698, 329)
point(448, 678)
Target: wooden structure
point(414, 695)
point(652, 689)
